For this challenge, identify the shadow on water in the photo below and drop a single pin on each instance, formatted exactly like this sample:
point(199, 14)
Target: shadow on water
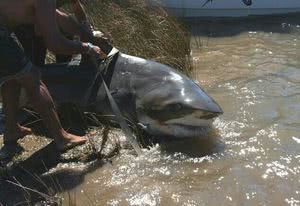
point(196, 147)
point(47, 172)
point(226, 27)
point(33, 173)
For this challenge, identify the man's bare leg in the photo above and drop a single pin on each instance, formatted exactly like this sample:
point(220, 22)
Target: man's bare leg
point(13, 130)
point(42, 102)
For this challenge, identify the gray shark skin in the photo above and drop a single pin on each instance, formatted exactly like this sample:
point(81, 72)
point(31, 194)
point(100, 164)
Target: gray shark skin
point(162, 101)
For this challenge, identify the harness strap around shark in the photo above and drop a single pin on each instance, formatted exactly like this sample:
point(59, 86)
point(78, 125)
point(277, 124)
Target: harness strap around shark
point(107, 66)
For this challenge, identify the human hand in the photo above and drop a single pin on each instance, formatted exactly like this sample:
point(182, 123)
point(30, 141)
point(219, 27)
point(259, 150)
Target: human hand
point(102, 41)
point(95, 51)
point(98, 36)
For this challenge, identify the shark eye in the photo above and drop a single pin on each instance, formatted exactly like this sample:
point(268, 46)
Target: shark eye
point(176, 107)
point(154, 108)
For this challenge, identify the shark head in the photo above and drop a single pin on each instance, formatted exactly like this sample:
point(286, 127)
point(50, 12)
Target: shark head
point(169, 104)
point(163, 101)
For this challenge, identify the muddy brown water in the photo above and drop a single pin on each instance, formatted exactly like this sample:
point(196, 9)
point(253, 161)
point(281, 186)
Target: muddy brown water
point(251, 67)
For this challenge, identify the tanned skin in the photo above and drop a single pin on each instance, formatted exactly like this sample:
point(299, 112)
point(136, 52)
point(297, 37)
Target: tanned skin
point(42, 14)
point(80, 27)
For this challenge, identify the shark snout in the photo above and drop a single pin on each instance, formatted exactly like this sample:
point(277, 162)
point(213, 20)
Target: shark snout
point(207, 108)
point(212, 108)
point(209, 112)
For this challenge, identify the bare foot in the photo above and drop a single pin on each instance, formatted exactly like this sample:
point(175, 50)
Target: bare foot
point(12, 135)
point(23, 131)
point(69, 141)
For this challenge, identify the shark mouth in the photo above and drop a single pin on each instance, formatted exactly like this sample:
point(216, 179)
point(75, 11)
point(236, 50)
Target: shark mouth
point(182, 127)
point(177, 131)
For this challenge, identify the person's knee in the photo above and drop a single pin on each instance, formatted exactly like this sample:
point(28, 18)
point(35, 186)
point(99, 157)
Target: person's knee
point(43, 97)
point(37, 90)
point(39, 96)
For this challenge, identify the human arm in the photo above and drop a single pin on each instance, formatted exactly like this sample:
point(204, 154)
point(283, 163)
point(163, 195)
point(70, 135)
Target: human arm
point(71, 27)
point(79, 11)
point(86, 31)
point(48, 28)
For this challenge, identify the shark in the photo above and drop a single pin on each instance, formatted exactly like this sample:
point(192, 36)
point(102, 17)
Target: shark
point(156, 98)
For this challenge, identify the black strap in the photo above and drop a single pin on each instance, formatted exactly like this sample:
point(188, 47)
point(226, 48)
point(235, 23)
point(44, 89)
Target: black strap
point(247, 2)
point(106, 69)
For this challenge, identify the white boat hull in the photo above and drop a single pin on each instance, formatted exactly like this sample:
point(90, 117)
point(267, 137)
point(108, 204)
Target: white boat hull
point(228, 8)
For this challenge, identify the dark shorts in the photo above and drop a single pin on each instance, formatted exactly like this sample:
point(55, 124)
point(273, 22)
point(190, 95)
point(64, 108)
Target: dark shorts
point(13, 61)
